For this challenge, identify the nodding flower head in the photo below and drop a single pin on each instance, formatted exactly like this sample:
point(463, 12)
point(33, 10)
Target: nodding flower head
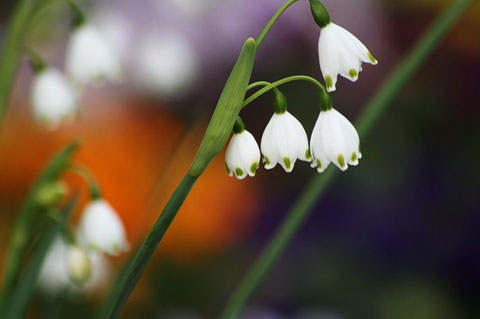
point(340, 52)
point(284, 140)
point(101, 229)
point(334, 139)
point(243, 155)
point(90, 59)
point(53, 99)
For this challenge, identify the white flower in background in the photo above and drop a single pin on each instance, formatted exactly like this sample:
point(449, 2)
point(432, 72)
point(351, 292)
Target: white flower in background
point(167, 64)
point(90, 59)
point(243, 155)
point(340, 52)
point(334, 139)
point(78, 265)
point(53, 276)
point(115, 28)
point(101, 229)
point(284, 141)
point(53, 99)
point(190, 7)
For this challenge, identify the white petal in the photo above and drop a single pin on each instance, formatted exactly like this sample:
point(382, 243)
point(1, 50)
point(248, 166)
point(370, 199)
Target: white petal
point(320, 160)
point(90, 59)
point(243, 155)
point(101, 229)
point(284, 141)
point(53, 99)
point(328, 56)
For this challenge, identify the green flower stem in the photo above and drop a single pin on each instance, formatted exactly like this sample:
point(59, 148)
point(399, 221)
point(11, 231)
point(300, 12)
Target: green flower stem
point(23, 229)
point(12, 50)
point(325, 99)
point(93, 187)
point(216, 136)
point(272, 21)
point(303, 207)
point(270, 86)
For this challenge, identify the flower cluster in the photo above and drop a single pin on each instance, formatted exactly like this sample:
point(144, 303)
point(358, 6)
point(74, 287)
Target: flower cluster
point(89, 60)
point(284, 141)
point(77, 261)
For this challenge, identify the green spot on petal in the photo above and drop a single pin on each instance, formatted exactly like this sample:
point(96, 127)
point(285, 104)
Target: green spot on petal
point(308, 156)
point(341, 160)
point(319, 164)
point(353, 73)
point(228, 170)
point(287, 162)
point(254, 167)
point(239, 172)
point(267, 161)
point(328, 81)
point(370, 56)
point(354, 157)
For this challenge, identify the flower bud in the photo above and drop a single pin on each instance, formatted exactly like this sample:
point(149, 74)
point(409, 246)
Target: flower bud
point(78, 265)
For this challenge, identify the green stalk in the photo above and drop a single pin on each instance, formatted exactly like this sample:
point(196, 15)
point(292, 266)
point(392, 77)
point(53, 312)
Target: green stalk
point(26, 285)
point(303, 207)
point(216, 136)
point(12, 50)
point(23, 229)
point(267, 86)
point(273, 20)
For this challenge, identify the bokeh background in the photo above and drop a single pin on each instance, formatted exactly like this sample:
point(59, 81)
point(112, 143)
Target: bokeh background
point(396, 237)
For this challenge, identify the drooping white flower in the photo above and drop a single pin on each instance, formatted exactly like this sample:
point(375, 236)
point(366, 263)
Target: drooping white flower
point(78, 264)
point(53, 275)
point(284, 140)
point(340, 52)
point(53, 99)
point(90, 58)
point(167, 64)
point(101, 229)
point(243, 155)
point(334, 139)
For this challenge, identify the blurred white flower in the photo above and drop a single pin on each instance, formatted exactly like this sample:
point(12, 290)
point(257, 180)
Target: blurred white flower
point(53, 276)
point(340, 52)
point(334, 139)
point(53, 99)
point(101, 229)
point(90, 58)
point(191, 7)
point(78, 265)
point(284, 140)
point(167, 64)
point(115, 29)
point(243, 155)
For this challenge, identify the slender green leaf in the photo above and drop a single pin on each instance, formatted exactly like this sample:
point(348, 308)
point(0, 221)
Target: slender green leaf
point(26, 284)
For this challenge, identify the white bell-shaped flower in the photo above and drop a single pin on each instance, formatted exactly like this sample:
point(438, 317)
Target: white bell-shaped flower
point(53, 99)
point(101, 229)
point(340, 52)
point(334, 139)
point(90, 58)
point(167, 64)
point(284, 140)
point(79, 265)
point(243, 155)
point(53, 276)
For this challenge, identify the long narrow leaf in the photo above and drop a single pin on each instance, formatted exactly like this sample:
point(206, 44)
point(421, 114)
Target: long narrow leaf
point(26, 285)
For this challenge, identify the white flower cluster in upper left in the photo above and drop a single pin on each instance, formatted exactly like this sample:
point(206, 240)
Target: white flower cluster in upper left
point(89, 60)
